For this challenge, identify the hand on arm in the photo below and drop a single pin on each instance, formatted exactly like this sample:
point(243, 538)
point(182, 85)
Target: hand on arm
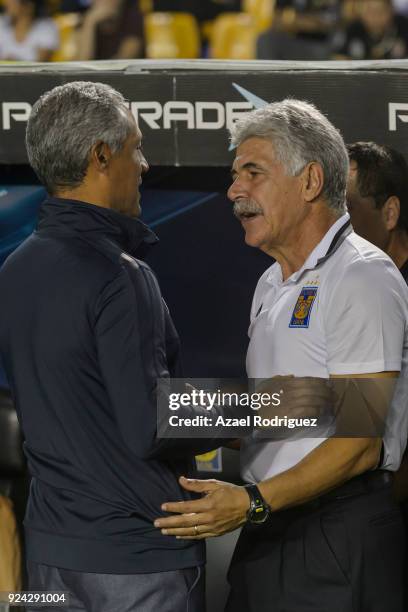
point(222, 508)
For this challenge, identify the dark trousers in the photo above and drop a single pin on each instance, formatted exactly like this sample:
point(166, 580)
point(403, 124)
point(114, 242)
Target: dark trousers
point(332, 555)
point(175, 591)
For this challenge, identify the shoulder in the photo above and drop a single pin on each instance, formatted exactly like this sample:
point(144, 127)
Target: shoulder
point(361, 269)
point(135, 273)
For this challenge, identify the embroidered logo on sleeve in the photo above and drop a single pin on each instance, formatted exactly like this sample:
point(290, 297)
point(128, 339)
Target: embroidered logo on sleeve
point(303, 307)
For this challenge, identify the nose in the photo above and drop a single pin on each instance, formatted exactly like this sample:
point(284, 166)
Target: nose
point(235, 190)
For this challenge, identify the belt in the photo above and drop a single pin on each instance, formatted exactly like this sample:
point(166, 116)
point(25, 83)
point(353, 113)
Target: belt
point(365, 483)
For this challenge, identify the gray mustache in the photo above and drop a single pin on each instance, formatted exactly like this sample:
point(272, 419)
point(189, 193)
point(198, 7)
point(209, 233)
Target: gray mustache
point(242, 207)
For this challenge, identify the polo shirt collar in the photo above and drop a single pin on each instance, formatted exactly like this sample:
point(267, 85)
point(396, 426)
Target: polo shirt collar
point(322, 251)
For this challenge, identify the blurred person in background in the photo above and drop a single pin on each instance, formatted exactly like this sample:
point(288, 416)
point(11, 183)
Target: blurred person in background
point(203, 10)
point(112, 29)
point(301, 30)
point(377, 199)
point(26, 34)
point(379, 33)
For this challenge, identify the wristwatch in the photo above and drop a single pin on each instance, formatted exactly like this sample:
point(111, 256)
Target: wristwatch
point(258, 510)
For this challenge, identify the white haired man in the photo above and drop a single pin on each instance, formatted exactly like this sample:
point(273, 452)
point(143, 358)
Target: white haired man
point(321, 530)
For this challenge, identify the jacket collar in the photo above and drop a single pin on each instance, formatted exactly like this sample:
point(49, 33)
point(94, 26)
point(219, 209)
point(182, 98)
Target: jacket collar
point(69, 216)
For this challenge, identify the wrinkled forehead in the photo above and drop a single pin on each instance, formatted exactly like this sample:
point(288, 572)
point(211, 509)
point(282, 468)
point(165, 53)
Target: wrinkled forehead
point(254, 150)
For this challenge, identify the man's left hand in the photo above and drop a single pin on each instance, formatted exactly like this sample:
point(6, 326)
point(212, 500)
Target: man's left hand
point(222, 508)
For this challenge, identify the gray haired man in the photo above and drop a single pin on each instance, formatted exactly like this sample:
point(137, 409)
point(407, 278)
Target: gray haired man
point(321, 530)
point(84, 334)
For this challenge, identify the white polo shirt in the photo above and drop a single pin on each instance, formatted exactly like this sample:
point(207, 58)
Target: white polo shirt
point(344, 312)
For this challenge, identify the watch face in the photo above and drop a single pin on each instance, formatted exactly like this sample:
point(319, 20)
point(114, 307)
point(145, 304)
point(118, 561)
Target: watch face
point(257, 516)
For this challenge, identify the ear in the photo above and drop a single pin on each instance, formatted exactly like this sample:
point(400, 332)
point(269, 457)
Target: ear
point(313, 180)
point(100, 156)
point(390, 212)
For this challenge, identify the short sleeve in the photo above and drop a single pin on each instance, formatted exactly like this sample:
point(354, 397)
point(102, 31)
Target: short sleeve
point(365, 321)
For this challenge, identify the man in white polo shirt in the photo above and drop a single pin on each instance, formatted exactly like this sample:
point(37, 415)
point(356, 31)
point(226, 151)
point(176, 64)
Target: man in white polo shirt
point(322, 533)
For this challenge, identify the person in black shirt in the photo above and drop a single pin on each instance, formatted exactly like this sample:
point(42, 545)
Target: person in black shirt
point(377, 196)
point(378, 34)
point(301, 30)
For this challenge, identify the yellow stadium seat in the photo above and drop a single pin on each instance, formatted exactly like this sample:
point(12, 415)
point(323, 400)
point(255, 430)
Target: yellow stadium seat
point(67, 24)
point(261, 10)
point(234, 36)
point(171, 35)
point(146, 6)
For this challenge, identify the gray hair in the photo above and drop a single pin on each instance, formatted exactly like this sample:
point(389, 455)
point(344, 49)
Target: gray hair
point(64, 125)
point(300, 134)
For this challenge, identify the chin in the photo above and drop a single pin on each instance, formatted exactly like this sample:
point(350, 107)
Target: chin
point(252, 240)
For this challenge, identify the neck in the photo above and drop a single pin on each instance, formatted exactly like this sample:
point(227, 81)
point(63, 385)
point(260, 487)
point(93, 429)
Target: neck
point(397, 247)
point(84, 194)
point(303, 239)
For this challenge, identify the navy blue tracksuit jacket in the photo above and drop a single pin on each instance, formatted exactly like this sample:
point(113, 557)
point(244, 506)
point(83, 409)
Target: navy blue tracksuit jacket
point(84, 334)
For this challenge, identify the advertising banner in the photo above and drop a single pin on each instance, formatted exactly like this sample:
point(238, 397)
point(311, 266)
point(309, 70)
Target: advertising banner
point(184, 113)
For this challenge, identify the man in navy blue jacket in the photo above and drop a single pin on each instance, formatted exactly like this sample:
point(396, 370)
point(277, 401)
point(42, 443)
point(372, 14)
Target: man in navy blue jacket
point(84, 335)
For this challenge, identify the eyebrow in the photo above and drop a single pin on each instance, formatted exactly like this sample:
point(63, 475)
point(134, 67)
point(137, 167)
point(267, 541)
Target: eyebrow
point(247, 166)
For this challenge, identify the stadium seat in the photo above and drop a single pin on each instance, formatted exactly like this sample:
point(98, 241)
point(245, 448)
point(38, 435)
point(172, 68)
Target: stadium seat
point(261, 10)
point(234, 36)
point(146, 6)
point(171, 35)
point(67, 24)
